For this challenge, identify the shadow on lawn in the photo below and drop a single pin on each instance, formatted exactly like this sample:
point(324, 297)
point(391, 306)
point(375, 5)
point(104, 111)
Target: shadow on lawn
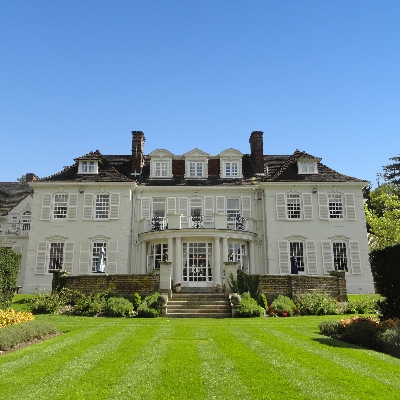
point(336, 343)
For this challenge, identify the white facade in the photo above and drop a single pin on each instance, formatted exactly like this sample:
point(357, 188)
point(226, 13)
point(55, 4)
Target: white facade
point(198, 211)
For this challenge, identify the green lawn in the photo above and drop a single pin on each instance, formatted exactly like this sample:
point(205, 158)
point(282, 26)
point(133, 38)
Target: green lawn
point(263, 358)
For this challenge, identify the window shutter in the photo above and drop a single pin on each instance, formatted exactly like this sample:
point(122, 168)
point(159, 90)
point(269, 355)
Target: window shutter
point(283, 256)
point(323, 206)
point(46, 206)
point(69, 257)
point(307, 206)
point(88, 206)
point(208, 208)
point(171, 205)
point(355, 257)
point(84, 258)
point(327, 257)
point(220, 205)
point(41, 258)
point(280, 206)
point(112, 255)
point(350, 206)
point(183, 208)
point(246, 207)
point(146, 201)
point(114, 205)
point(72, 206)
point(311, 258)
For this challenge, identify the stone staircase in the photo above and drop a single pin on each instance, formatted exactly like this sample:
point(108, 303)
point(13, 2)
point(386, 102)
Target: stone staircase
point(195, 304)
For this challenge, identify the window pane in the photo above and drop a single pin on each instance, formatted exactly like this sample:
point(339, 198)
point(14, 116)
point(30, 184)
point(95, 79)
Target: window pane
point(293, 205)
point(335, 206)
point(96, 252)
point(56, 256)
point(60, 205)
point(296, 249)
point(102, 205)
point(340, 256)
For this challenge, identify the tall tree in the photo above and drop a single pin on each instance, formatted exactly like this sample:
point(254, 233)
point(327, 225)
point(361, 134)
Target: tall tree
point(392, 171)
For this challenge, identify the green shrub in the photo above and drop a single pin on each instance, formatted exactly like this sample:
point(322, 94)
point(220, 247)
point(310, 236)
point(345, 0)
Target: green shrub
point(248, 307)
point(283, 306)
point(391, 341)
point(46, 303)
point(118, 307)
point(366, 304)
point(9, 267)
point(363, 332)
point(262, 301)
point(148, 308)
point(90, 305)
point(136, 301)
point(19, 333)
point(316, 304)
point(332, 329)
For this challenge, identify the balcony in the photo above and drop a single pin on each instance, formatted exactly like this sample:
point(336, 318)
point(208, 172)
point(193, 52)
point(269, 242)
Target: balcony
point(196, 221)
point(14, 229)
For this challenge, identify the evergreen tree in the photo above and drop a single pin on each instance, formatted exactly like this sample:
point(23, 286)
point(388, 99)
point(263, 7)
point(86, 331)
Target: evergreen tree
point(392, 171)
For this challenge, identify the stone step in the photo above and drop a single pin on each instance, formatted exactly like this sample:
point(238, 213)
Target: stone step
point(198, 305)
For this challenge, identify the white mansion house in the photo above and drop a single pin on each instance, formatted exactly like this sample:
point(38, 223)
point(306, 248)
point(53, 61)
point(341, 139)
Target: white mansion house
point(197, 210)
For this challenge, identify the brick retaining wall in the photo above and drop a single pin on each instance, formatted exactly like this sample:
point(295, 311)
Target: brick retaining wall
point(125, 285)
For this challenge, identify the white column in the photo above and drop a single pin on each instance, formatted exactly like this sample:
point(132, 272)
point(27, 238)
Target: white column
point(143, 258)
point(217, 261)
point(252, 260)
point(224, 249)
point(177, 268)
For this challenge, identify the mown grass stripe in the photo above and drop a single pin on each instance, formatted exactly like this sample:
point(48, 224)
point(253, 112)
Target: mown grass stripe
point(218, 372)
point(314, 375)
point(61, 381)
point(19, 361)
point(345, 358)
point(263, 380)
point(141, 377)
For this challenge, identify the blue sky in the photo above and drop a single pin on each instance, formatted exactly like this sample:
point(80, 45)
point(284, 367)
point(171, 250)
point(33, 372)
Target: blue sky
point(318, 76)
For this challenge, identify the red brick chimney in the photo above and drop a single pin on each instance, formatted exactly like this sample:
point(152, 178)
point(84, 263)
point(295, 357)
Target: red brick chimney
point(138, 140)
point(257, 151)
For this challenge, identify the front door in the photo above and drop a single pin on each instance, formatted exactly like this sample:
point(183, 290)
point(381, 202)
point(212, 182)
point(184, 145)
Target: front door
point(197, 264)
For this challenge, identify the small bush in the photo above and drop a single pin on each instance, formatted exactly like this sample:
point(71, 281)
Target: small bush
point(282, 306)
point(262, 301)
point(148, 308)
point(46, 303)
point(9, 267)
point(16, 334)
point(332, 329)
point(118, 307)
point(366, 304)
point(390, 340)
point(136, 301)
point(316, 304)
point(363, 332)
point(248, 307)
point(90, 305)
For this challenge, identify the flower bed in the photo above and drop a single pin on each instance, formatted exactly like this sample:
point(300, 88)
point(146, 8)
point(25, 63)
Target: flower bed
point(11, 317)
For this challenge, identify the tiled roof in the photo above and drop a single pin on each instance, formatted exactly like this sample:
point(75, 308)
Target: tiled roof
point(11, 194)
point(279, 168)
point(111, 169)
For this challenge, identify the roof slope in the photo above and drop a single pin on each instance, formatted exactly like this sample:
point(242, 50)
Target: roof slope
point(11, 194)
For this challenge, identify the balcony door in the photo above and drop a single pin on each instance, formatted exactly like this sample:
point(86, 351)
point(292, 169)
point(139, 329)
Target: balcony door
point(197, 264)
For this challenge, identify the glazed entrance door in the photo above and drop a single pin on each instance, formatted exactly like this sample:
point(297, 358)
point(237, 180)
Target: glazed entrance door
point(197, 264)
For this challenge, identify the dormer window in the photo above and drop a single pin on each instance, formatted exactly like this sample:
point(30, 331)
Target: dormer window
point(88, 167)
point(231, 164)
point(160, 164)
point(307, 167)
point(196, 164)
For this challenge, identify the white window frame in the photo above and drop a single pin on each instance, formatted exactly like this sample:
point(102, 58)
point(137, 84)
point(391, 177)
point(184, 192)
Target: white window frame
point(94, 254)
point(293, 206)
point(335, 205)
point(60, 205)
point(297, 248)
point(231, 169)
point(307, 167)
point(56, 255)
point(101, 208)
point(88, 167)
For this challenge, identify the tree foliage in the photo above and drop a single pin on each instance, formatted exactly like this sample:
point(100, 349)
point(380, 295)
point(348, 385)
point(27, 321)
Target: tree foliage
point(9, 267)
point(392, 171)
point(382, 212)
